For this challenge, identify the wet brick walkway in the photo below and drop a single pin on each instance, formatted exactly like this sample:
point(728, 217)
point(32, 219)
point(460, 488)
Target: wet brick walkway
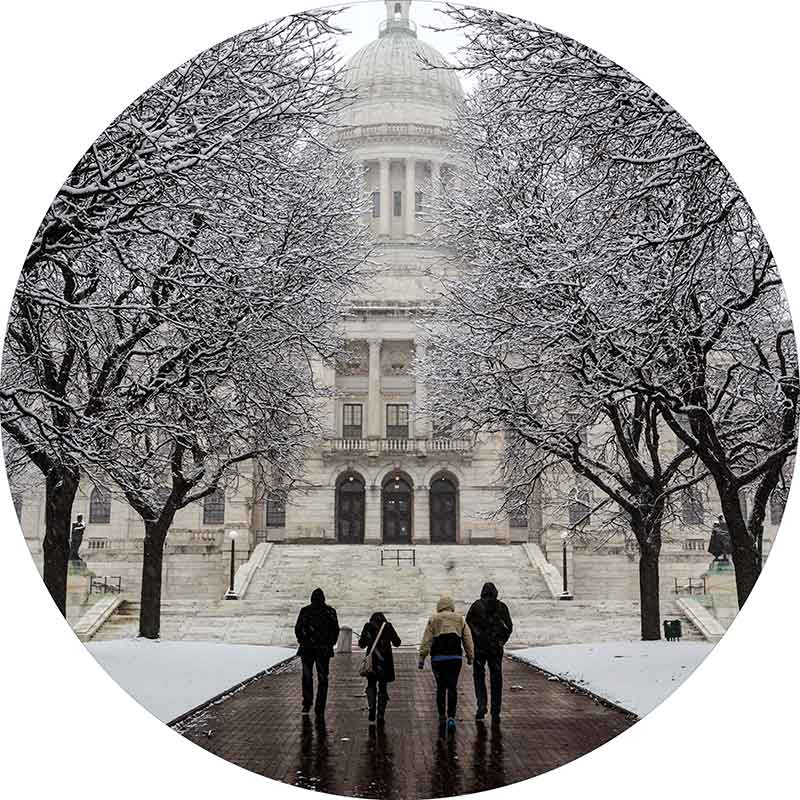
point(260, 728)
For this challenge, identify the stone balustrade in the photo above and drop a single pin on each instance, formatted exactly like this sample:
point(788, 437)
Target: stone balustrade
point(96, 543)
point(391, 129)
point(417, 447)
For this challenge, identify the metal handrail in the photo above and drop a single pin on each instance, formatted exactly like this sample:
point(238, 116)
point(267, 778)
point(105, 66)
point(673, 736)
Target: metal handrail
point(397, 558)
point(105, 584)
point(693, 586)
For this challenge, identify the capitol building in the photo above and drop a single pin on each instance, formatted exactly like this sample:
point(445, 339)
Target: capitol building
point(381, 476)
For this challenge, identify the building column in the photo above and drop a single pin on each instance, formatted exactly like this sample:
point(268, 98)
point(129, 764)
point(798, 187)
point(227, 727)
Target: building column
point(374, 395)
point(411, 196)
point(422, 428)
point(328, 380)
point(421, 529)
point(386, 197)
point(436, 175)
point(372, 514)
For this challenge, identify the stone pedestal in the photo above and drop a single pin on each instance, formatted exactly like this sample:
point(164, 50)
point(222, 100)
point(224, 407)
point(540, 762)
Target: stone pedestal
point(720, 584)
point(78, 581)
point(345, 642)
point(720, 578)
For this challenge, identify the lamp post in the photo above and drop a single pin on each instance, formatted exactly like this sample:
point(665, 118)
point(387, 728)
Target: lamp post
point(231, 593)
point(565, 593)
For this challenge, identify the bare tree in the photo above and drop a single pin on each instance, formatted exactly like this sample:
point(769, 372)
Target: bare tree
point(249, 394)
point(156, 230)
point(598, 230)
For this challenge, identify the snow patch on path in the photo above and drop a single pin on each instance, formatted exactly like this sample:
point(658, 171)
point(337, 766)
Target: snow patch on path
point(170, 678)
point(637, 676)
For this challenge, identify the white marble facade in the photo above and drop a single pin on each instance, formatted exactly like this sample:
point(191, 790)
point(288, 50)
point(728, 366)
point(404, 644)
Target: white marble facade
point(371, 479)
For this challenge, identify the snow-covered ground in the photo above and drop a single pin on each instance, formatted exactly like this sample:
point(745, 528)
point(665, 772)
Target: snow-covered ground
point(169, 678)
point(634, 675)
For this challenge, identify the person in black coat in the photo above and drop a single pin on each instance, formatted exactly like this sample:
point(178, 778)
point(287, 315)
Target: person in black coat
point(382, 663)
point(490, 623)
point(316, 629)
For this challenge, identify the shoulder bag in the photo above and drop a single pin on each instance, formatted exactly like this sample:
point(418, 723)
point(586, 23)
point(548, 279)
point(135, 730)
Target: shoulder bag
point(366, 669)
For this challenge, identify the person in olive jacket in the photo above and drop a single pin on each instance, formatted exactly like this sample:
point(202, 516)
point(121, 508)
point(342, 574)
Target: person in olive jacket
point(382, 663)
point(490, 623)
point(317, 630)
point(445, 635)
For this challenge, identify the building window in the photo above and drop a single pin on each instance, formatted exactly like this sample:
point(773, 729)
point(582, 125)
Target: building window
point(777, 503)
point(99, 507)
point(397, 421)
point(693, 512)
point(418, 203)
point(214, 508)
point(352, 421)
point(376, 204)
point(397, 198)
point(276, 512)
point(580, 509)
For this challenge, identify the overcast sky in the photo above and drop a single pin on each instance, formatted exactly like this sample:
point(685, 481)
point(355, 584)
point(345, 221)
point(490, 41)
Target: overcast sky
point(363, 19)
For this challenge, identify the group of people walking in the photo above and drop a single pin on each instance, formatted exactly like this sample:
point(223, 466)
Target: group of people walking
point(448, 640)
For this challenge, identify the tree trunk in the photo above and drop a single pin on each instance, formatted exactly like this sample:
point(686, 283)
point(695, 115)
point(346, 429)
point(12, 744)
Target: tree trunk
point(61, 485)
point(746, 561)
point(649, 586)
point(152, 568)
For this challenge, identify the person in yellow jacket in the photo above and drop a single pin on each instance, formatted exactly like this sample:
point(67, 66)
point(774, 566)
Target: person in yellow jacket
point(447, 640)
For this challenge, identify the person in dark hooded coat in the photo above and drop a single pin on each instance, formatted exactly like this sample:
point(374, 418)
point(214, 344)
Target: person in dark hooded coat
point(490, 623)
point(382, 662)
point(316, 629)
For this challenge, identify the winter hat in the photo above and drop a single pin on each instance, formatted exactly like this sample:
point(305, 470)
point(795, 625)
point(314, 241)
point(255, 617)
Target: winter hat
point(445, 603)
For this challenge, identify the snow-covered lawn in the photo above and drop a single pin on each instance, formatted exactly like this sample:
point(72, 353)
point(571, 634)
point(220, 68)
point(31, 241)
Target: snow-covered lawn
point(635, 675)
point(169, 678)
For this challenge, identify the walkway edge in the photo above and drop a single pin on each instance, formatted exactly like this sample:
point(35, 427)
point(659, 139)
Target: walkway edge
point(576, 687)
point(229, 691)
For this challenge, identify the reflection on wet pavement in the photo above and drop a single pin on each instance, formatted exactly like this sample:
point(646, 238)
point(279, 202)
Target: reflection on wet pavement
point(411, 755)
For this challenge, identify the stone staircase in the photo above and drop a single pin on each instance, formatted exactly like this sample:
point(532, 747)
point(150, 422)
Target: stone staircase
point(356, 584)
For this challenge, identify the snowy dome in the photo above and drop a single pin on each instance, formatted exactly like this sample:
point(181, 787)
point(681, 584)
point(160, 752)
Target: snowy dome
point(399, 78)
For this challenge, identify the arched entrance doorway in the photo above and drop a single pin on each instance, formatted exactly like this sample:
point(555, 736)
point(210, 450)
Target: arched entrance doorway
point(444, 510)
point(350, 509)
point(397, 499)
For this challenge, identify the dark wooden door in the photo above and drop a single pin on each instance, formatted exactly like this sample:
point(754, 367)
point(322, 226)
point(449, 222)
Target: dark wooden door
point(444, 507)
point(397, 499)
point(350, 511)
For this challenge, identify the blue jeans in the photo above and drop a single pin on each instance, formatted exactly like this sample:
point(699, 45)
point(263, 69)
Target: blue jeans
point(446, 674)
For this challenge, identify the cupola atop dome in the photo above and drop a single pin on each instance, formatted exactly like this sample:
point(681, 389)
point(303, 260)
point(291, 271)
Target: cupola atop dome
point(397, 18)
